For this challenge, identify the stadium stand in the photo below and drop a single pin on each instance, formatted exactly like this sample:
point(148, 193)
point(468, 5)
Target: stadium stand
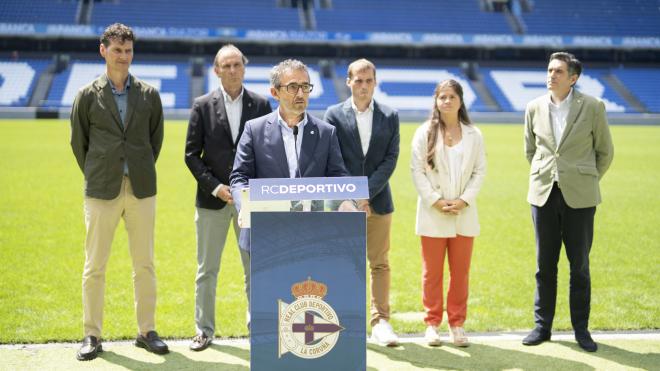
point(407, 88)
point(643, 83)
point(605, 17)
point(513, 88)
point(38, 11)
point(411, 88)
point(403, 16)
point(17, 80)
point(171, 79)
point(419, 45)
point(254, 14)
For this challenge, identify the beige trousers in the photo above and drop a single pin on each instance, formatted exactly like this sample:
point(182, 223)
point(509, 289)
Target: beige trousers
point(378, 247)
point(101, 219)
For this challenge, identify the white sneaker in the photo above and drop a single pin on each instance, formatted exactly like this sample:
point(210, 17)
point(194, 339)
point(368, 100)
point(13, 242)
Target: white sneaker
point(431, 337)
point(457, 336)
point(383, 334)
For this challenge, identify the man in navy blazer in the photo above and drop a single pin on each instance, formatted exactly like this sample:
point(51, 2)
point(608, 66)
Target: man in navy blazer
point(287, 143)
point(369, 140)
point(216, 124)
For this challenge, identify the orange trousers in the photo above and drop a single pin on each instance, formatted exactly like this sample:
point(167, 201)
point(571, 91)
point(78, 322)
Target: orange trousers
point(459, 251)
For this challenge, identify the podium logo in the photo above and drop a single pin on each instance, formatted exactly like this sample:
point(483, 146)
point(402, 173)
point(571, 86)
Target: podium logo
point(308, 327)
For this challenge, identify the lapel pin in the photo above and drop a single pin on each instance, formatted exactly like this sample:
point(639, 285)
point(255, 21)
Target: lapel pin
point(311, 132)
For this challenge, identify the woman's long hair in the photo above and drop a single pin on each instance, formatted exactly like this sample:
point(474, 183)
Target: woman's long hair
point(437, 125)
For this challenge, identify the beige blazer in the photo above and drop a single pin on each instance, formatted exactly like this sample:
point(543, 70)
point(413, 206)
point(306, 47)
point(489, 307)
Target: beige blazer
point(584, 153)
point(431, 184)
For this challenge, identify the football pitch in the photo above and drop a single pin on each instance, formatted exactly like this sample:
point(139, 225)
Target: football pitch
point(42, 234)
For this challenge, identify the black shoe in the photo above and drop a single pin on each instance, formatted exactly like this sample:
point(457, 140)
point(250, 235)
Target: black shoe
point(585, 341)
point(537, 336)
point(200, 342)
point(91, 347)
point(152, 343)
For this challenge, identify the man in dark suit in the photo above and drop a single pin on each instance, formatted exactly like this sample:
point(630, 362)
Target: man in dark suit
point(216, 124)
point(369, 140)
point(116, 136)
point(289, 142)
point(569, 148)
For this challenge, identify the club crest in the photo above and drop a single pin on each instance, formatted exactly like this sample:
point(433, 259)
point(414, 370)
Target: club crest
point(308, 327)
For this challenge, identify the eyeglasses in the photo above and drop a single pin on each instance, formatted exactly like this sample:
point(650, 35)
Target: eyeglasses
point(293, 88)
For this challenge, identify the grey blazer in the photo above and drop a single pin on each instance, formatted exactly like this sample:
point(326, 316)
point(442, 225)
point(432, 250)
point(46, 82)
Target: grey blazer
point(101, 144)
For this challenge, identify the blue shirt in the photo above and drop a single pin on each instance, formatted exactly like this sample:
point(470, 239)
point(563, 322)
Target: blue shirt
point(121, 99)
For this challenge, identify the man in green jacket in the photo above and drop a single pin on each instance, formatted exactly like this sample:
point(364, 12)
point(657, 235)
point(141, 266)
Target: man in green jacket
point(569, 148)
point(116, 135)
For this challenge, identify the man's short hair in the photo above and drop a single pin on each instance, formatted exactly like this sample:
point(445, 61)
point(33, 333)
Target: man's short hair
point(360, 65)
point(117, 32)
point(574, 65)
point(284, 66)
point(229, 47)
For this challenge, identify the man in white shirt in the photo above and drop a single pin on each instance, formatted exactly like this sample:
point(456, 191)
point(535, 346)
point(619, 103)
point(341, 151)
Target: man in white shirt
point(569, 147)
point(368, 134)
point(216, 124)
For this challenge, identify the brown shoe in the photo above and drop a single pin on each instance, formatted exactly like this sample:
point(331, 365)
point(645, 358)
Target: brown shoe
point(91, 347)
point(200, 342)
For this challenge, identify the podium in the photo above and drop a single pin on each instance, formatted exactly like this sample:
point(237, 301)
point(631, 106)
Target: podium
point(308, 277)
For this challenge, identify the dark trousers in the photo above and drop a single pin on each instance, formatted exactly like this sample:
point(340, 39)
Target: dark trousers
point(554, 223)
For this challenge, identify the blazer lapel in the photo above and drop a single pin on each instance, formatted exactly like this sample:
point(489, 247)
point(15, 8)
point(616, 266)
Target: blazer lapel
point(133, 95)
point(440, 155)
point(574, 110)
point(376, 121)
point(351, 126)
point(546, 123)
point(274, 141)
point(309, 141)
point(247, 107)
point(105, 94)
point(221, 112)
point(468, 143)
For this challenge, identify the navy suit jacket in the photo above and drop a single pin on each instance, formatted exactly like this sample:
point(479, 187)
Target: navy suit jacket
point(210, 148)
point(380, 160)
point(261, 154)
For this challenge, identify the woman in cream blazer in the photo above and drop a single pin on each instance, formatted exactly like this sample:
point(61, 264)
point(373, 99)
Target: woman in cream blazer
point(448, 166)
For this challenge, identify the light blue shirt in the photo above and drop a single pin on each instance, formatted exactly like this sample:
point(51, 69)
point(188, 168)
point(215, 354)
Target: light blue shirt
point(121, 99)
point(292, 149)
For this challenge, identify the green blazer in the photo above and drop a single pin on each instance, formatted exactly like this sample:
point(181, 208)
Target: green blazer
point(583, 156)
point(101, 145)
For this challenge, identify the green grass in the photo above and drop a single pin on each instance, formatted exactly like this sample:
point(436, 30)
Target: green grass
point(42, 234)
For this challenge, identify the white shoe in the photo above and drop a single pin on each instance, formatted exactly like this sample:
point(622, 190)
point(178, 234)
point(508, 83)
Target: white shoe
point(431, 337)
point(383, 334)
point(457, 336)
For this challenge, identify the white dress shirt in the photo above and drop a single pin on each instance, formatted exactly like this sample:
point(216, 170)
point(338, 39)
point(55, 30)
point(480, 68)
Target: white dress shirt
point(365, 121)
point(292, 149)
point(234, 110)
point(558, 116)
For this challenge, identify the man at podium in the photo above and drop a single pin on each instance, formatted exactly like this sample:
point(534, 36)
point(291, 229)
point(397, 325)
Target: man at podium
point(287, 143)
